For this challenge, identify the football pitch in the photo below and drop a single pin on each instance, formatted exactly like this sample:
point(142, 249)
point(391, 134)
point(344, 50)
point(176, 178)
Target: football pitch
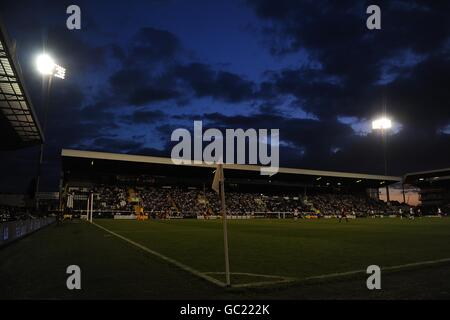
point(269, 259)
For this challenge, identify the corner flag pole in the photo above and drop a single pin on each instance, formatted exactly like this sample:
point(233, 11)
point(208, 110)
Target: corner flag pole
point(92, 205)
point(225, 231)
point(219, 187)
point(88, 207)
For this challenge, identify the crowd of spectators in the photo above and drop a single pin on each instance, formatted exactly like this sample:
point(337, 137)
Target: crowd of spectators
point(164, 201)
point(173, 201)
point(359, 205)
point(112, 198)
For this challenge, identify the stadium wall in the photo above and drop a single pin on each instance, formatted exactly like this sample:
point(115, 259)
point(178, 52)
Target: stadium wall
point(15, 230)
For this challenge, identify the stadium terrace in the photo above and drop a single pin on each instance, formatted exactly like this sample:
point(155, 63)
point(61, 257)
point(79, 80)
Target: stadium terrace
point(183, 190)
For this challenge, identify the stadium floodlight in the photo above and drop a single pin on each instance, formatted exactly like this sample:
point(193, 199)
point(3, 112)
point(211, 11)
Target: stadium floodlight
point(45, 64)
point(382, 124)
point(49, 69)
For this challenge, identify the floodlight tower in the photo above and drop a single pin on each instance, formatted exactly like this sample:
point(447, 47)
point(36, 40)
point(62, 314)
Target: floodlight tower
point(47, 67)
point(383, 124)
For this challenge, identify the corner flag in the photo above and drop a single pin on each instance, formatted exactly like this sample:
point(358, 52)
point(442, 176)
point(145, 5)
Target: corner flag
point(219, 187)
point(218, 177)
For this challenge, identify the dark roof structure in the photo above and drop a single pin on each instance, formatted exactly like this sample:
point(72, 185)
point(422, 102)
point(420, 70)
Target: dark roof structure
point(90, 163)
point(440, 177)
point(18, 121)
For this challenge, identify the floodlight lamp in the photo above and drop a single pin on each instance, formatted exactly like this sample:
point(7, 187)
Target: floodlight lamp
point(382, 124)
point(45, 64)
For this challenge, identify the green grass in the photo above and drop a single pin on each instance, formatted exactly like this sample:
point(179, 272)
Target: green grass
point(290, 248)
point(112, 268)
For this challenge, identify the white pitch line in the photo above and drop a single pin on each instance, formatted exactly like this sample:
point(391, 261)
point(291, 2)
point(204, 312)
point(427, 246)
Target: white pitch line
point(165, 258)
point(260, 284)
point(401, 266)
point(280, 280)
point(254, 275)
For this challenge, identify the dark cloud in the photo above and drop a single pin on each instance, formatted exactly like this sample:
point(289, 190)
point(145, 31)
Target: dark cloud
point(347, 59)
point(402, 69)
point(146, 95)
point(421, 97)
point(171, 79)
point(116, 144)
point(142, 116)
point(125, 80)
point(222, 85)
point(320, 25)
point(150, 44)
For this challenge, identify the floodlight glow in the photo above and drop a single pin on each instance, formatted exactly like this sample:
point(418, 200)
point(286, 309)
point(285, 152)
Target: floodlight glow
point(382, 123)
point(45, 64)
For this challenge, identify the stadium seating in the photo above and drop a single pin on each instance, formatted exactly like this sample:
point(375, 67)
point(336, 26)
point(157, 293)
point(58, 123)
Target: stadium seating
point(160, 201)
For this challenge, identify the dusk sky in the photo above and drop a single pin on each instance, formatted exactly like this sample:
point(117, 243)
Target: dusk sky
point(137, 70)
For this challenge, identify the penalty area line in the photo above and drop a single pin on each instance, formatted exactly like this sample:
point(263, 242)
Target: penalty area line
point(391, 268)
point(165, 258)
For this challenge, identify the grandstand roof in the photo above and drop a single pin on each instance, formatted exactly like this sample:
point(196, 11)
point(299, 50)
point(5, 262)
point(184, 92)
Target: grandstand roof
point(439, 176)
point(78, 160)
point(18, 122)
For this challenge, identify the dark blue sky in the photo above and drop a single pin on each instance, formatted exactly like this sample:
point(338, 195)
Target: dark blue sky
point(139, 69)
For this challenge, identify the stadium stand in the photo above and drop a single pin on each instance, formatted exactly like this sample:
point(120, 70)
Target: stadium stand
point(19, 124)
point(176, 201)
point(434, 193)
point(18, 121)
point(120, 183)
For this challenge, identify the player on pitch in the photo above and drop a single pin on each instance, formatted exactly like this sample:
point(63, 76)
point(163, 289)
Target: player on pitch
point(343, 215)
